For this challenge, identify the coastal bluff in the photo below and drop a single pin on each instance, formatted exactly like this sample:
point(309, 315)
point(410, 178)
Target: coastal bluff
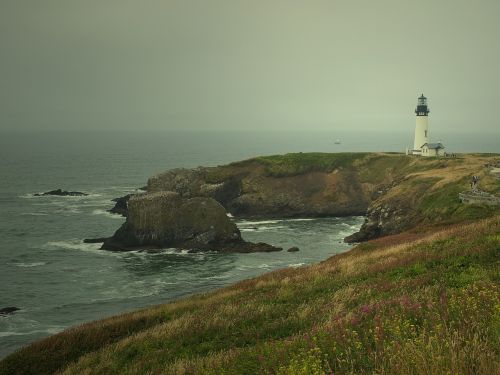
point(267, 187)
point(395, 192)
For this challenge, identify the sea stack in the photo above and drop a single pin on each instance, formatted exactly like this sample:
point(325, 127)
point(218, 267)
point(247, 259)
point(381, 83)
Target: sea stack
point(167, 220)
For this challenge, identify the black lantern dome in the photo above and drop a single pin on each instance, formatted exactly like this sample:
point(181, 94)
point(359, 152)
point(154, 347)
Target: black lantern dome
point(422, 109)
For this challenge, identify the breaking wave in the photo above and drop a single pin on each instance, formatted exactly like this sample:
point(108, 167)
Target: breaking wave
point(28, 265)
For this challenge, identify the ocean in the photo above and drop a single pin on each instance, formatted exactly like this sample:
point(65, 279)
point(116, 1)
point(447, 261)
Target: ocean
point(57, 281)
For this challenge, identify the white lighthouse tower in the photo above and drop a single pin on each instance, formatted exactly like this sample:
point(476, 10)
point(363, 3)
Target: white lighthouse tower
point(422, 125)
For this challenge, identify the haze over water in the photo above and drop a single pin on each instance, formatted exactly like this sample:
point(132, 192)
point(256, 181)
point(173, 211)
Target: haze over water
point(98, 96)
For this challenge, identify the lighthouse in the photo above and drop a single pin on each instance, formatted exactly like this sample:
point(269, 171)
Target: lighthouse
point(422, 125)
point(421, 145)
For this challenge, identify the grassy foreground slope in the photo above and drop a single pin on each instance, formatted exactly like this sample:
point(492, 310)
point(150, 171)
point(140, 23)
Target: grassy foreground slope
point(402, 304)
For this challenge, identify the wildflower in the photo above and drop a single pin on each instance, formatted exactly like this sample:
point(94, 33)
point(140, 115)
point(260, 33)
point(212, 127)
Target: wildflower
point(366, 309)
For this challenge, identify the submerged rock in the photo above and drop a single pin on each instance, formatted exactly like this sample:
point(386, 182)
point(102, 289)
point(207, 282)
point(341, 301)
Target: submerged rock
point(95, 240)
point(8, 310)
point(166, 219)
point(62, 193)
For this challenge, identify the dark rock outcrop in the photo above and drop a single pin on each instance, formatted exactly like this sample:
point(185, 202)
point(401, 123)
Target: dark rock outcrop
point(198, 182)
point(96, 240)
point(367, 232)
point(293, 249)
point(62, 193)
point(120, 206)
point(8, 310)
point(168, 220)
point(390, 215)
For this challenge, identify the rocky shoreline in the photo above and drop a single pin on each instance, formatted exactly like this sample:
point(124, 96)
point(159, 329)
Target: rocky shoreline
point(247, 189)
point(392, 191)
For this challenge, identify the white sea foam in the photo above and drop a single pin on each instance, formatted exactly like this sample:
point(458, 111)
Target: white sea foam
point(169, 251)
point(50, 331)
point(35, 214)
point(244, 267)
point(244, 222)
point(217, 277)
point(69, 210)
point(96, 203)
point(48, 196)
point(27, 196)
point(350, 226)
point(261, 228)
point(296, 265)
point(28, 265)
point(88, 196)
point(79, 245)
point(344, 233)
point(122, 188)
point(107, 214)
point(274, 221)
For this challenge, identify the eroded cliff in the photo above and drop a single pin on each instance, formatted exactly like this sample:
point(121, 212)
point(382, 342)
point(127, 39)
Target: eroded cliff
point(395, 192)
point(313, 184)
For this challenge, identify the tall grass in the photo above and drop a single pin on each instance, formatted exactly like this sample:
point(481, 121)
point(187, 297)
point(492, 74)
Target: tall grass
point(426, 303)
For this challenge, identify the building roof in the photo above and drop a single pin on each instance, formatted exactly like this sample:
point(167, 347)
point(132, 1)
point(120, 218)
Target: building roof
point(433, 145)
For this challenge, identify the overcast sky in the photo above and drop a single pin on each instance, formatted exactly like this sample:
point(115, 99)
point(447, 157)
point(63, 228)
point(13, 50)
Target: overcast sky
point(255, 64)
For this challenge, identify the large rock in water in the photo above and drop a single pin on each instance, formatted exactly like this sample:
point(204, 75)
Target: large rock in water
point(62, 193)
point(167, 220)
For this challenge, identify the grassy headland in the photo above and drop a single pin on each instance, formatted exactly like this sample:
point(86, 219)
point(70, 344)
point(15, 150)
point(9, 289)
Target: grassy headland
point(425, 300)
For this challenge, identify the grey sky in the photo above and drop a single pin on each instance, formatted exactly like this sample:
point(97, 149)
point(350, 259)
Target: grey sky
point(234, 64)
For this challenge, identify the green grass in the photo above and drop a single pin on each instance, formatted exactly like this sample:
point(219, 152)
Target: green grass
point(393, 306)
point(444, 206)
point(377, 168)
point(299, 163)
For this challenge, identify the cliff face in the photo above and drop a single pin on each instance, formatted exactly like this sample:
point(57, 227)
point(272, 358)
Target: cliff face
point(165, 219)
point(395, 192)
point(427, 194)
point(328, 185)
